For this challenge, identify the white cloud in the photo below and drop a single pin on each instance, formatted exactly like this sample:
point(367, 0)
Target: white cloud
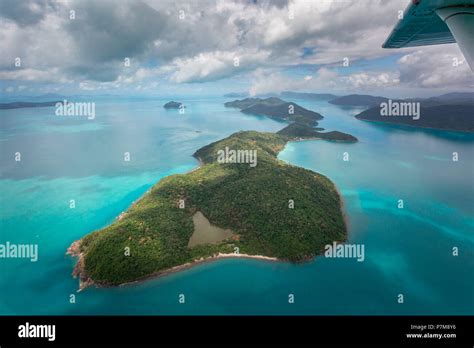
point(323, 81)
point(42, 46)
point(46, 75)
point(267, 37)
point(274, 82)
point(433, 67)
point(269, 82)
point(372, 80)
point(107, 31)
point(87, 86)
point(214, 65)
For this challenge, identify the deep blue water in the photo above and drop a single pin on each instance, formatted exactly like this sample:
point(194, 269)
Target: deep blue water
point(407, 251)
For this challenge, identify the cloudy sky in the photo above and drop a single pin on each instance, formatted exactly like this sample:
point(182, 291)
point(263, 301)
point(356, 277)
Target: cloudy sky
point(216, 46)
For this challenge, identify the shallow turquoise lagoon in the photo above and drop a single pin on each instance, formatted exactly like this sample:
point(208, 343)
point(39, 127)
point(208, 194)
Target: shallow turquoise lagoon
point(407, 251)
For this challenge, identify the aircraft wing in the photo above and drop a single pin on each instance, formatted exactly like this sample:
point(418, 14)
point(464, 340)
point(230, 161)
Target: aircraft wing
point(434, 22)
point(420, 26)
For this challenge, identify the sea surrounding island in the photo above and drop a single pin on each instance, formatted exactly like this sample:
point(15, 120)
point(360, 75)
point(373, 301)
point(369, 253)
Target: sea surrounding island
point(269, 209)
point(408, 250)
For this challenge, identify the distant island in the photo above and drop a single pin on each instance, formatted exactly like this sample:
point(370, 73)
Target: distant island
point(358, 100)
point(464, 98)
point(303, 120)
point(309, 96)
point(173, 105)
point(297, 131)
point(443, 117)
point(276, 108)
point(20, 105)
point(265, 209)
point(459, 98)
point(451, 111)
point(286, 94)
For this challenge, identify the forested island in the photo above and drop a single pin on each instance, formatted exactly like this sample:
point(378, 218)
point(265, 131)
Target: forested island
point(309, 96)
point(358, 100)
point(20, 105)
point(451, 111)
point(460, 98)
point(172, 105)
point(272, 210)
point(443, 117)
point(303, 120)
point(276, 108)
point(296, 131)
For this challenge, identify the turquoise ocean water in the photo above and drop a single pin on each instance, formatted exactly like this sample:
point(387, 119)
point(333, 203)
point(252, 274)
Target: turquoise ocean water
point(407, 251)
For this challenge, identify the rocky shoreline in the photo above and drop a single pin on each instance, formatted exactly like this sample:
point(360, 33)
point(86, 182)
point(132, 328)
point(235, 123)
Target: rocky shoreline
point(81, 252)
point(74, 250)
point(85, 281)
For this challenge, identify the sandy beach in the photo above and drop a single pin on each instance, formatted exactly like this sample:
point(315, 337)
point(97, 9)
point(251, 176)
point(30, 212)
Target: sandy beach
point(85, 282)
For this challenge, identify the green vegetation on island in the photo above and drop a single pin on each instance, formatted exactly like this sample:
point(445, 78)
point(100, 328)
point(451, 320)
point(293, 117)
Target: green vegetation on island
point(309, 96)
point(20, 105)
point(358, 100)
point(297, 131)
point(277, 109)
point(444, 117)
point(273, 209)
point(450, 112)
point(463, 98)
point(248, 102)
point(172, 105)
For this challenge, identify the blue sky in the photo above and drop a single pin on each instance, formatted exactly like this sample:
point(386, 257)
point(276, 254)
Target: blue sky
point(164, 47)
